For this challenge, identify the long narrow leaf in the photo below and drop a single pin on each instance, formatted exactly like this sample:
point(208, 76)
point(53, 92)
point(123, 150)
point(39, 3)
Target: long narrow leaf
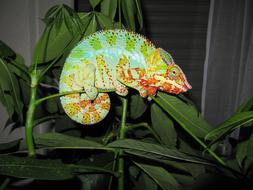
point(129, 10)
point(185, 114)
point(24, 167)
point(158, 151)
point(61, 141)
point(9, 83)
point(247, 106)
point(139, 13)
point(162, 177)
point(163, 126)
point(109, 8)
point(104, 21)
point(236, 121)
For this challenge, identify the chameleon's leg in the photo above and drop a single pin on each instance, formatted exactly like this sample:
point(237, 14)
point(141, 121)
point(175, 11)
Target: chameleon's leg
point(89, 81)
point(130, 76)
point(121, 89)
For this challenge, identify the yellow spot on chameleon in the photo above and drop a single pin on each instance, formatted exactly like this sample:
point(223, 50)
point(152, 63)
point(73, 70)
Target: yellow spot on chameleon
point(72, 109)
point(86, 118)
point(96, 116)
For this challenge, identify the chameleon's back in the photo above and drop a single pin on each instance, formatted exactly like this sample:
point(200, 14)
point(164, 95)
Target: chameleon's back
point(118, 39)
point(81, 108)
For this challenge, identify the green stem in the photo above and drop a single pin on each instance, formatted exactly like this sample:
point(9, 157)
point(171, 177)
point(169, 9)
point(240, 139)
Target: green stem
point(121, 152)
point(30, 117)
point(194, 136)
point(5, 183)
point(39, 101)
point(113, 169)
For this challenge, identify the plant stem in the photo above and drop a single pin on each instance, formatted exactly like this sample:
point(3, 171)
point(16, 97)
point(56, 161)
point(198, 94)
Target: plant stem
point(121, 152)
point(113, 169)
point(29, 117)
point(5, 183)
point(39, 101)
point(194, 136)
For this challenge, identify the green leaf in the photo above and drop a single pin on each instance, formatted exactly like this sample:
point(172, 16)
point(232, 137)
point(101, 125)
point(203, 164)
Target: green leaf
point(7, 102)
point(244, 151)
point(185, 180)
point(104, 21)
point(9, 83)
point(51, 14)
point(32, 168)
point(92, 27)
point(25, 167)
point(85, 19)
point(52, 43)
point(162, 177)
point(109, 8)
point(118, 25)
point(19, 68)
point(51, 106)
point(156, 151)
point(184, 114)
point(234, 122)
point(141, 180)
point(6, 51)
point(129, 10)
point(163, 126)
point(94, 3)
point(60, 141)
point(65, 24)
point(247, 106)
point(137, 106)
point(7, 147)
point(139, 13)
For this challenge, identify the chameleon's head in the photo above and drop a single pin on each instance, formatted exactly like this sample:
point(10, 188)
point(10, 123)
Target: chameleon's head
point(173, 80)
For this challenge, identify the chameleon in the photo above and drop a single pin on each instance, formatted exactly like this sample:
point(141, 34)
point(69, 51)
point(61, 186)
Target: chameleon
point(115, 60)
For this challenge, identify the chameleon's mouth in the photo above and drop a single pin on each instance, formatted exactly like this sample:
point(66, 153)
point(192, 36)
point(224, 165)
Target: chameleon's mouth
point(186, 86)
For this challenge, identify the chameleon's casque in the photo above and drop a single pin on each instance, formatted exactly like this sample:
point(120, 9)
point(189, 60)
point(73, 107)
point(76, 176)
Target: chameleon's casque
point(114, 60)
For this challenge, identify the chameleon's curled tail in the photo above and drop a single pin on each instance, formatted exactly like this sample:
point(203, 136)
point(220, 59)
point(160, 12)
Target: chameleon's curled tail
point(85, 111)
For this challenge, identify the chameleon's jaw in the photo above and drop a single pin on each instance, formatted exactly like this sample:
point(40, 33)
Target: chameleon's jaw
point(168, 85)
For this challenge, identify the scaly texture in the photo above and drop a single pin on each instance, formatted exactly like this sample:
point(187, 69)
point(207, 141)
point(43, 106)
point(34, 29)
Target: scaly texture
point(114, 60)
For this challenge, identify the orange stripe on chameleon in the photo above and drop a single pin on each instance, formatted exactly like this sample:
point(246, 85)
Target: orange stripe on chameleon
point(85, 103)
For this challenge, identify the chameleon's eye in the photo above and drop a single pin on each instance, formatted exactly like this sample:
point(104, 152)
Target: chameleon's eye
point(174, 72)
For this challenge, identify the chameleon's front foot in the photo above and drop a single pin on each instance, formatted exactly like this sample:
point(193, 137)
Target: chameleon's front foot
point(121, 89)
